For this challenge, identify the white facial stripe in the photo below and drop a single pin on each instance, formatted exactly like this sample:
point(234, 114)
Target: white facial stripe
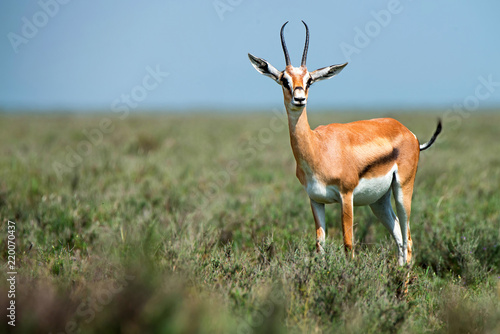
point(304, 80)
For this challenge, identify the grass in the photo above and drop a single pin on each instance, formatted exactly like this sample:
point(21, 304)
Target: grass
point(197, 224)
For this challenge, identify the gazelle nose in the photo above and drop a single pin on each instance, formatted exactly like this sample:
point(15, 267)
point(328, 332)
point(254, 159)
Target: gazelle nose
point(299, 95)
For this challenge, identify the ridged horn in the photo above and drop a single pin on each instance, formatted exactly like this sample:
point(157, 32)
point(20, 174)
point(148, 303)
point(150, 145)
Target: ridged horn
point(285, 50)
point(306, 46)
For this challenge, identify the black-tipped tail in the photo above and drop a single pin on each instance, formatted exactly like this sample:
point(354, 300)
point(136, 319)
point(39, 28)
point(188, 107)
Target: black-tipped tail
point(434, 136)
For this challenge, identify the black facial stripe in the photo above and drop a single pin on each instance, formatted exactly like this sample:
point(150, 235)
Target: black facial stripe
point(309, 82)
point(284, 82)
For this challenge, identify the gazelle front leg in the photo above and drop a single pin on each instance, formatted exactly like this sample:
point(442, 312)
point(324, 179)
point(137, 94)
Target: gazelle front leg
point(318, 210)
point(348, 223)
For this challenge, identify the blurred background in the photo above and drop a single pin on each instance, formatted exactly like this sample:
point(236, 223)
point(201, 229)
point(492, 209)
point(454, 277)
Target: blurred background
point(66, 55)
point(186, 216)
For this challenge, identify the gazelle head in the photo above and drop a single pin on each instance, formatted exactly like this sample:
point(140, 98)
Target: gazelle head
point(295, 81)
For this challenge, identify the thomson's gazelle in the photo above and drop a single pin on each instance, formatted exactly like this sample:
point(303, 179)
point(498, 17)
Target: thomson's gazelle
point(353, 164)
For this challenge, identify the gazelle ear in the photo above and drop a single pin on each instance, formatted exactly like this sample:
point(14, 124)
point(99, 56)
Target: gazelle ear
point(264, 67)
point(327, 72)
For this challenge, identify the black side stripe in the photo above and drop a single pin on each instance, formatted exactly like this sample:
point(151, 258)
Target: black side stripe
point(381, 161)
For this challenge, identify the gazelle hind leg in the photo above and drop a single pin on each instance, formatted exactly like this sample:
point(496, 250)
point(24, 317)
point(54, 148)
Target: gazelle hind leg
point(402, 196)
point(382, 209)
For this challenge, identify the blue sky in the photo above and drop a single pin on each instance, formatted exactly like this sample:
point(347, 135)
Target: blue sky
point(77, 55)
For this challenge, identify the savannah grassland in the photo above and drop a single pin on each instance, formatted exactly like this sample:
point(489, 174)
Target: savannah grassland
point(196, 224)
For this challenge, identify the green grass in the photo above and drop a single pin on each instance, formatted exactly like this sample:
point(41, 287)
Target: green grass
point(197, 224)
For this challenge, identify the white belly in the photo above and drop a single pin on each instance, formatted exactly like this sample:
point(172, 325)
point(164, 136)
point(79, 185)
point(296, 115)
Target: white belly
point(367, 191)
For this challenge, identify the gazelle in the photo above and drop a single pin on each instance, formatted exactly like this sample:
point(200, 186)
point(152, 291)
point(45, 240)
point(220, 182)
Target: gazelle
point(353, 164)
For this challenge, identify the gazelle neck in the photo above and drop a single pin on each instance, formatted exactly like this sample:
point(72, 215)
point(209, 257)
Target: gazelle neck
point(300, 134)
